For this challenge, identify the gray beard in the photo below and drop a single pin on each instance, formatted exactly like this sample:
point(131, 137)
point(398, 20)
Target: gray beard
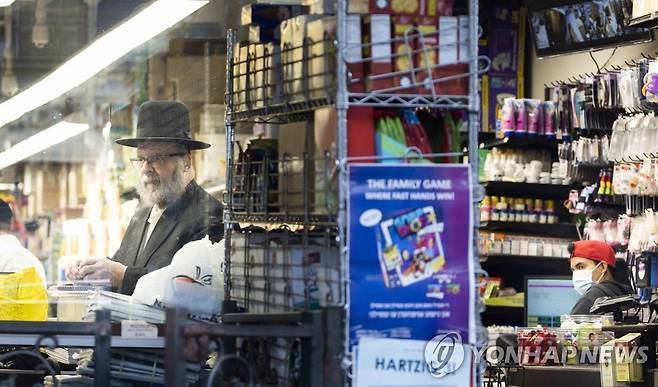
point(161, 192)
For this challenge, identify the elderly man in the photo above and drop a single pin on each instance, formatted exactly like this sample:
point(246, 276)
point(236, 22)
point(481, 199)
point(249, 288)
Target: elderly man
point(177, 210)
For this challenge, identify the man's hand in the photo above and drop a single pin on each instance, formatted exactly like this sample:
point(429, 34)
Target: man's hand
point(102, 268)
point(73, 270)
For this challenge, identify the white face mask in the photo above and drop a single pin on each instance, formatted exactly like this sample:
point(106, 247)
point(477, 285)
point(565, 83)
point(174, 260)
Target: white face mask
point(582, 279)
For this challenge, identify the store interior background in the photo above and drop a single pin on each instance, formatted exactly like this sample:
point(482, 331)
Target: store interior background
point(76, 197)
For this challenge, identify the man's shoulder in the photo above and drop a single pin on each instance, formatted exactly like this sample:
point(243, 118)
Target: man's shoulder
point(205, 200)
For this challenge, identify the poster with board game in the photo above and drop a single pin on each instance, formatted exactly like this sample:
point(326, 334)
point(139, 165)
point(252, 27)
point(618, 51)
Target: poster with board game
point(410, 242)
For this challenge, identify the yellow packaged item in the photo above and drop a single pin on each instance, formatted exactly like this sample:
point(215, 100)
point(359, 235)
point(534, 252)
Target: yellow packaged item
point(23, 296)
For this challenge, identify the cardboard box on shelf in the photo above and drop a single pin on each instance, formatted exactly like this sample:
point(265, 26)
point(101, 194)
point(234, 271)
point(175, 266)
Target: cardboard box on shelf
point(644, 7)
point(403, 61)
point(272, 74)
point(240, 55)
point(295, 140)
point(325, 199)
point(322, 53)
point(269, 14)
point(256, 67)
point(264, 34)
point(321, 7)
point(293, 34)
point(377, 40)
point(193, 83)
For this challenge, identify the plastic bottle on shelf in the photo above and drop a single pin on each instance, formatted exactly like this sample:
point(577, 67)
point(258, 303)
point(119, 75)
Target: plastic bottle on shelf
point(551, 218)
point(543, 215)
point(519, 210)
point(503, 209)
point(537, 211)
point(485, 209)
point(495, 211)
point(608, 192)
point(528, 211)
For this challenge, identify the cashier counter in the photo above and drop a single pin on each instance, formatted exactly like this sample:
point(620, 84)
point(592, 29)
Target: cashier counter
point(587, 375)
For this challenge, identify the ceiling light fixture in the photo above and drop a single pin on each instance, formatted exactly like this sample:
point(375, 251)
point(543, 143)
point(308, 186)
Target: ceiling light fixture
point(107, 49)
point(6, 3)
point(41, 141)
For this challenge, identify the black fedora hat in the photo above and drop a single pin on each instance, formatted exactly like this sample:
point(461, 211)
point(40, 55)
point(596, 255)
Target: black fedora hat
point(166, 121)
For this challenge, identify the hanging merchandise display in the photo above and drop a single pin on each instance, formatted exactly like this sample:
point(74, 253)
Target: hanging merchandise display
point(410, 274)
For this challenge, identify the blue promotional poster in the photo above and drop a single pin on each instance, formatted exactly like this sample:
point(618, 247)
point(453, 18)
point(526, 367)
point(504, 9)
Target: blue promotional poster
point(410, 241)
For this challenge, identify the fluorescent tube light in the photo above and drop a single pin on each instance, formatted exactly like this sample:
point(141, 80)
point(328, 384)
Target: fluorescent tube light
point(107, 49)
point(6, 3)
point(41, 141)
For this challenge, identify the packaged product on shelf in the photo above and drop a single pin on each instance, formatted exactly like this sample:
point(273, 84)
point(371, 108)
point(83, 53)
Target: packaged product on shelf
point(464, 38)
point(315, 277)
point(269, 14)
point(535, 346)
point(495, 212)
point(448, 60)
point(551, 218)
point(403, 47)
point(427, 59)
point(448, 38)
point(412, 7)
point(358, 7)
point(377, 32)
point(628, 368)
point(521, 115)
point(485, 209)
point(550, 119)
point(361, 132)
point(508, 119)
point(354, 54)
point(534, 117)
point(321, 67)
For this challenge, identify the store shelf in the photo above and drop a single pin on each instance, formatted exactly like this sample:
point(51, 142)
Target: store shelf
point(646, 21)
point(518, 142)
point(515, 301)
point(66, 334)
point(408, 100)
point(283, 113)
point(539, 191)
point(594, 131)
point(556, 230)
point(282, 219)
point(517, 258)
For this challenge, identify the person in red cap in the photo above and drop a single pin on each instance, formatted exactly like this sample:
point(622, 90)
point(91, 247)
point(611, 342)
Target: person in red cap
point(596, 273)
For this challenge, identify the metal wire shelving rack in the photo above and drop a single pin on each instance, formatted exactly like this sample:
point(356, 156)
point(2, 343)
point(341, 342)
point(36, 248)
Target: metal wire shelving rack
point(262, 274)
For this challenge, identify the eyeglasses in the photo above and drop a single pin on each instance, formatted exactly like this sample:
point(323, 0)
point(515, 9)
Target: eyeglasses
point(156, 160)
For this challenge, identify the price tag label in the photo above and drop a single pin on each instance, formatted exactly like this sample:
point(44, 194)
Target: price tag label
point(138, 330)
